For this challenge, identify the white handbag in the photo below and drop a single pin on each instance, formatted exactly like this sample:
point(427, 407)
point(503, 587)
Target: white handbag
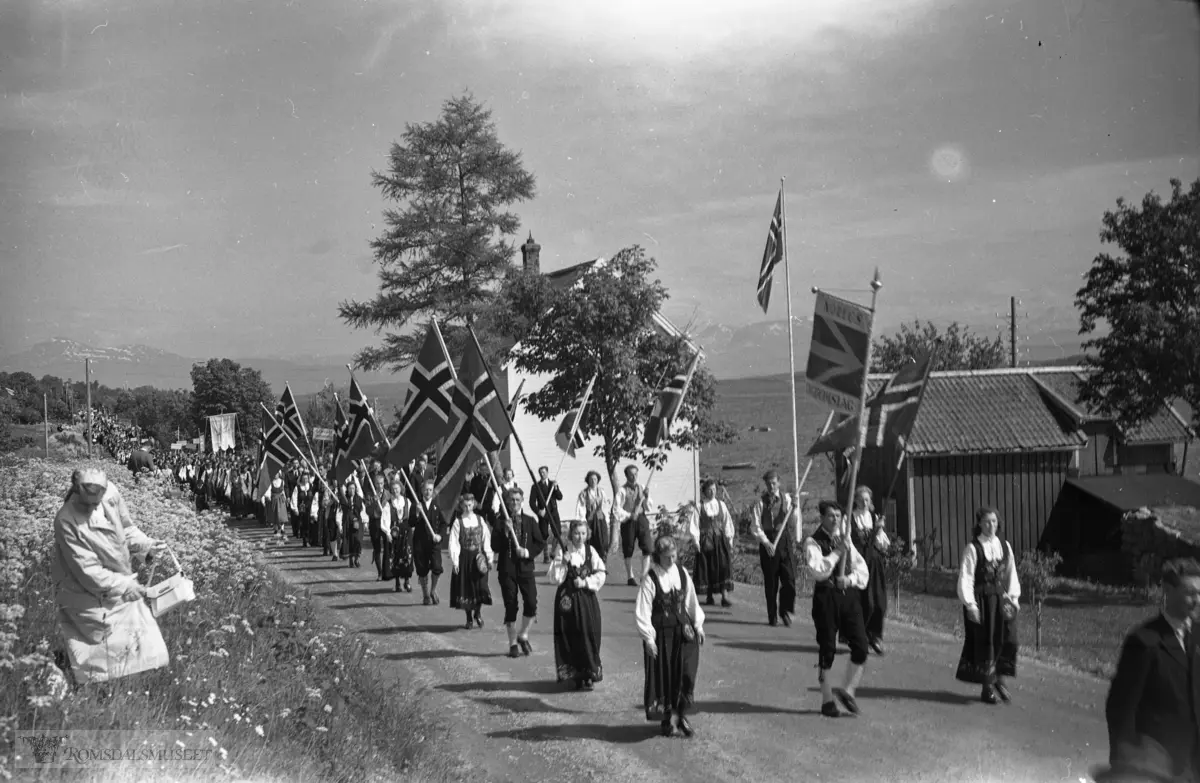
point(171, 592)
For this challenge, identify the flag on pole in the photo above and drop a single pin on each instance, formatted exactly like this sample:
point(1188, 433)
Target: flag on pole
point(362, 438)
point(288, 413)
point(278, 451)
point(480, 426)
point(891, 413)
point(342, 466)
point(667, 406)
point(841, 338)
point(568, 436)
point(426, 414)
point(772, 256)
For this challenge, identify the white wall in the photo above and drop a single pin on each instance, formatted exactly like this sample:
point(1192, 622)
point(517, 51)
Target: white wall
point(678, 482)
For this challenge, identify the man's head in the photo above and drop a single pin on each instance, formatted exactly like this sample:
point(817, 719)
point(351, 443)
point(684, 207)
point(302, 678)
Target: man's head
point(631, 474)
point(89, 486)
point(831, 515)
point(1181, 588)
point(544, 473)
point(771, 482)
point(513, 500)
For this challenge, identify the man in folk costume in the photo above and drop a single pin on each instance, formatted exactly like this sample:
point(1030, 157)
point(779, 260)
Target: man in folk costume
point(775, 522)
point(427, 549)
point(417, 472)
point(839, 573)
point(516, 552)
point(303, 506)
point(629, 517)
point(543, 500)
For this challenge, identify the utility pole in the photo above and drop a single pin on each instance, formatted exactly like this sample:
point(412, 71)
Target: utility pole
point(87, 379)
point(1011, 317)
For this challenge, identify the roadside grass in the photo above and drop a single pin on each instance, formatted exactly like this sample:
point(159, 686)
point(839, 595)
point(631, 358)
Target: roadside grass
point(255, 675)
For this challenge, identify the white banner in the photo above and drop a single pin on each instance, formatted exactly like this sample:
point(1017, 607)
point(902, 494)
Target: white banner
point(221, 429)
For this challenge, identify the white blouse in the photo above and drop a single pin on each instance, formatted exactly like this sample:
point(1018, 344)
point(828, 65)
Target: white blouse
point(993, 550)
point(864, 521)
point(462, 523)
point(395, 511)
point(713, 508)
point(822, 566)
point(597, 497)
point(669, 579)
point(575, 556)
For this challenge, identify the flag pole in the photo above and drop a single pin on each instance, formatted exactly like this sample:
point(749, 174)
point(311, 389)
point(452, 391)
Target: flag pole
point(283, 429)
point(859, 435)
point(804, 478)
point(787, 283)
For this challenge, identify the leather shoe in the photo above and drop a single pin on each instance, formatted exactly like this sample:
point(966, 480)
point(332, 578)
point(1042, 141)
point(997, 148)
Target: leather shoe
point(846, 700)
point(877, 647)
point(830, 710)
point(1002, 691)
point(684, 726)
point(667, 729)
point(526, 647)
point(787, 619)
point(514, 651)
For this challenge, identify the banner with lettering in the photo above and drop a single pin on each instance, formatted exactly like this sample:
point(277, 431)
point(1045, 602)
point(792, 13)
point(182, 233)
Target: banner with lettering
point(221, 431)
point(838, 356)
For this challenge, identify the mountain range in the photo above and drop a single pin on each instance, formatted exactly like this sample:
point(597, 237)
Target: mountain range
point(756, 349)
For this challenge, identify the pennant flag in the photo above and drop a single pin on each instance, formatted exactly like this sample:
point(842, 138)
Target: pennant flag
point(772, 256)
point(568, 436)
point(278, 451)
point(891, 413)
point(342, 466)
point(288, 413)
point(426, 415)
point(480, 425)
point(362, 437)
point(666, 407)
point(837, 357)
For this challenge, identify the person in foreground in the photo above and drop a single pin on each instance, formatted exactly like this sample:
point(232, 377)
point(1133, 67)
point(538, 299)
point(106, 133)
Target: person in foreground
point(671, 624)
point(580, 574)
point(1151, 710)
point(989, 591)
point(517, 547)
point(108, 629)
point(839, 573)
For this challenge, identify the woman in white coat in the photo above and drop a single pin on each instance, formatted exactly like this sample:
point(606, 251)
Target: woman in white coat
point(106, 625)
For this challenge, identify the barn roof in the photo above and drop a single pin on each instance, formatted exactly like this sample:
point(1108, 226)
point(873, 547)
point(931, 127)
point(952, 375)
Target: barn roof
point(1015, 410)
point(1131, 492)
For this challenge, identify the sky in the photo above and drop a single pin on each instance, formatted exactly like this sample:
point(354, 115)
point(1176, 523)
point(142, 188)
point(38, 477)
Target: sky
point(195, 176)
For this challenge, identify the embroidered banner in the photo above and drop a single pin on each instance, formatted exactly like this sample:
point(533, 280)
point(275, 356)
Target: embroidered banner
point(838, 356)
point(221, 430)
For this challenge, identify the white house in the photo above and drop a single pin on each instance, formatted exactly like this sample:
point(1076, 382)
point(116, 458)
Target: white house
point(679, 480)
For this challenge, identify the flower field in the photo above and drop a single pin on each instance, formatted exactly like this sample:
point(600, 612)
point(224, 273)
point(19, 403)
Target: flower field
point(276, 693)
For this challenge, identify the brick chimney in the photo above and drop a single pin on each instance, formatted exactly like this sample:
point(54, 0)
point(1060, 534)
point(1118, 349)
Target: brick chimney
point(531, 253)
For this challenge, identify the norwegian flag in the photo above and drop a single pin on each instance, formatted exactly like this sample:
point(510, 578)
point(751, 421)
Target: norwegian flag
point(426, 415)
point(278, 450)
point(363, 438)
point(568, 436)
point(772, 255)
point(891, 413)
point(480, 425)
point(288, 413)
point(342, 466)
point(666, 407)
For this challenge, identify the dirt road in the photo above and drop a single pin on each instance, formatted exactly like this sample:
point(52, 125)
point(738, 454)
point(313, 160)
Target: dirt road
point(756, 716)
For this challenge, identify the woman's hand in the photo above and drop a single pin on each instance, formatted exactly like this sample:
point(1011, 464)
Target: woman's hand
point(437, 539)
point(973, 614)
point(134, 592)
point(651, 649)
point(158, 545)
point(700, 636)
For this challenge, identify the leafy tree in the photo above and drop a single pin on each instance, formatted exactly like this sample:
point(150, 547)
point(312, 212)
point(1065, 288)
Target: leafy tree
point(1036, 571)
point(224, 386)
point(1149, 297)
point(605, 323)
point(319, 412)
point(444, 251)
point(961, 350)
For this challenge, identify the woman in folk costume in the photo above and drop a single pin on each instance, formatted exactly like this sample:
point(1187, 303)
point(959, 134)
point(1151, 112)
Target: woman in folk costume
point(990, 594)
point(580, 574)
point(711, 527)
point(275, 502)
point(303, 506)
point(396, 515)
point(867, 533)
point(471, 561)
point(671, 624)
point(354, 519)
point(105, 623)
point(592, 507)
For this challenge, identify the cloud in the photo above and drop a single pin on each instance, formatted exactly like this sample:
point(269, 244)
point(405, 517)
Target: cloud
point(320, 247)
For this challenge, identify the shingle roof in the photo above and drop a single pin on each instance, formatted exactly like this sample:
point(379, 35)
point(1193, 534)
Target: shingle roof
point(1011, 410)
point(569, 276)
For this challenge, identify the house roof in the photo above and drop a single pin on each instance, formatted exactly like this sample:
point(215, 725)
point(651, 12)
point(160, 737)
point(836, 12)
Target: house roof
point(1131, 492)
point(1013, 410)
point(568, 276)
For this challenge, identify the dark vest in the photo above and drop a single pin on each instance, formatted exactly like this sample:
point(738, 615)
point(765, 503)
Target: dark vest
point(990, 577)
point(304, 499)
point(825, 542)
point(773, 517)
point(667, 609)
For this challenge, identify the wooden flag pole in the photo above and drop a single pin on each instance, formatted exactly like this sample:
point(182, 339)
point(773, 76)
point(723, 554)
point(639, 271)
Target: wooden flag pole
point(283, 429)
point(87, 375)
point(46, 423)
point(787, 283)
point(408, 485)
point(804, 478)
point(876, 284)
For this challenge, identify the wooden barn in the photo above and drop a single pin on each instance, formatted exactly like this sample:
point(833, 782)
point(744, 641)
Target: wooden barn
point(1011, 439)
point(679, 480)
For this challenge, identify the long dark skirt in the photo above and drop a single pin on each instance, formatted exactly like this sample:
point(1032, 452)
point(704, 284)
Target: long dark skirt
point(353, 540)
point(990, 647)
point(469, 588)
point(402, 556)
point(598, 537)
point(385, 558)
point(577, 630)
point(671, 677)
point(712, 571)
point(874, 598)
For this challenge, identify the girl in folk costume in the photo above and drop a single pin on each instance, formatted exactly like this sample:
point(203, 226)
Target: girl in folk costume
point(592, 507)
point(866, 530)
point(396, 515)
point(354, 519)
point(711, 527)
point(471, 560)
point(990, 595)
point(276, 505)
point(303, 505)
point(580, 574)
point(427, 542)
point(671, 624)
